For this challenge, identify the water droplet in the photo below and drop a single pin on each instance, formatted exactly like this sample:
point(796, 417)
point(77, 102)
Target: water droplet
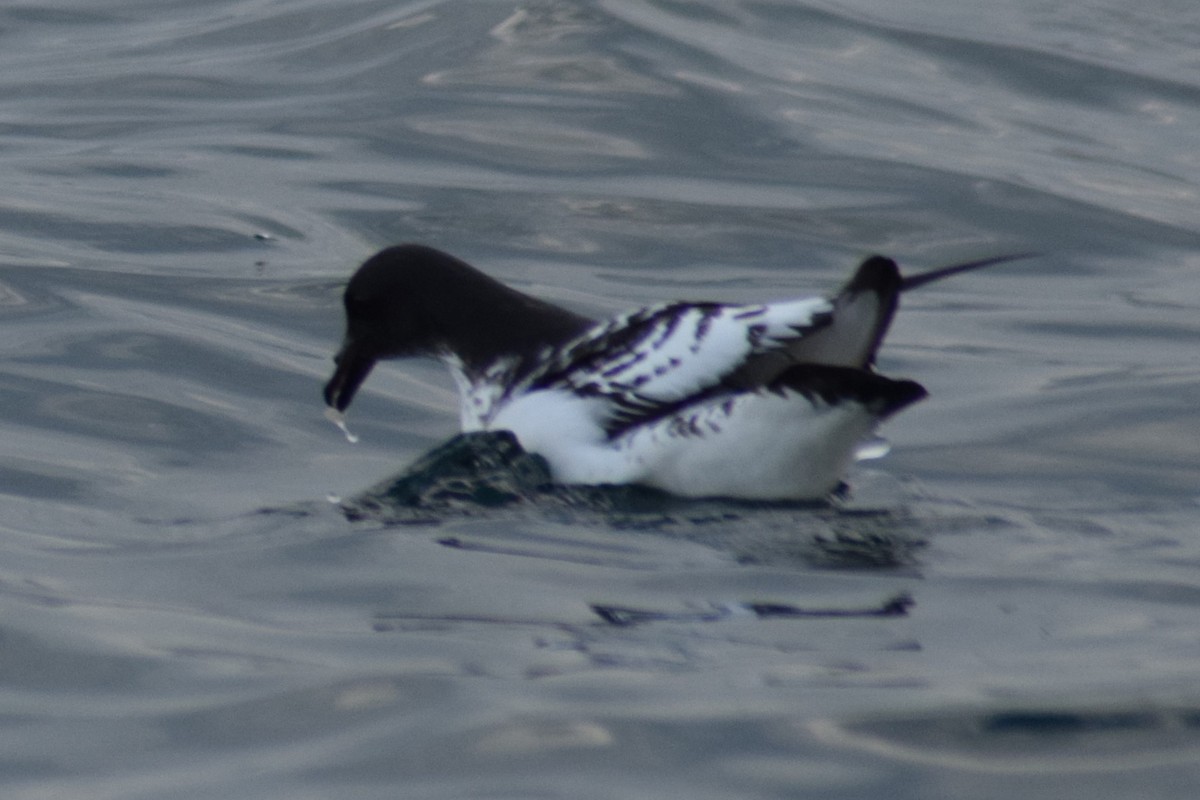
point(870, 449)
point(337, 418)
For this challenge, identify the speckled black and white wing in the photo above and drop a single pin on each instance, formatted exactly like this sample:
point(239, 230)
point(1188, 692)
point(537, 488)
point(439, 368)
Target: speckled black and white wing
point(652, 361)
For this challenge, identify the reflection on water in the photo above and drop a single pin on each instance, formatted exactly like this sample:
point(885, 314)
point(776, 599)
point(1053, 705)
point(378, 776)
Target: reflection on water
point(1031, 742)
point(487, 474)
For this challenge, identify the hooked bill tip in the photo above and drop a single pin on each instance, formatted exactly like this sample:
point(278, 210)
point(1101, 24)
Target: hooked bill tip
point(353, 367)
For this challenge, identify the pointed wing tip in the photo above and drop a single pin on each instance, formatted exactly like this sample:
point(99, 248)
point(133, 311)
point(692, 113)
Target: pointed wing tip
point(909, 282)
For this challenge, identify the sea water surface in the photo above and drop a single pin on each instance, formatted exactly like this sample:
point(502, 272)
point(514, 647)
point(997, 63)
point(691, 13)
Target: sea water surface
point(1008, 605)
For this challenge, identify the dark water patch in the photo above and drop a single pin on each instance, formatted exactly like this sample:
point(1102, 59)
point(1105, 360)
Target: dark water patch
point(108, 168)
point(487, 474)
point(19, 298)
point(1032, 740)
point(1119, 330)
point(137, 421)
point(627, 616)
point(124, 237)
point(472, 472)
point(66, 18)
point(27, 478)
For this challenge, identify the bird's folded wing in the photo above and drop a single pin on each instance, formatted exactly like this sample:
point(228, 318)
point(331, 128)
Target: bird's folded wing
point(655, 360)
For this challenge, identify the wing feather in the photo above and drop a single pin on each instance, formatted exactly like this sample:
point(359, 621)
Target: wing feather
point(654, 361)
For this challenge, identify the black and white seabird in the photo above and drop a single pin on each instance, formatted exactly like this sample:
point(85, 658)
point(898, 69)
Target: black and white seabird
point(760, 401)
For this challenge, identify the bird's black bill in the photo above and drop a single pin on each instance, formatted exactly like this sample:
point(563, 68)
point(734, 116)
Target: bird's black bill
point(352, 369)
point(922, 278)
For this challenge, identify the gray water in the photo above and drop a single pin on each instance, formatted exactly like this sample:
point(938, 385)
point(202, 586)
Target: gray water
point(184, 613)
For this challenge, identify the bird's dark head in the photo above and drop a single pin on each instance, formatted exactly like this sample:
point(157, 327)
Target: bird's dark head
point(412, 300)
point(391, 312)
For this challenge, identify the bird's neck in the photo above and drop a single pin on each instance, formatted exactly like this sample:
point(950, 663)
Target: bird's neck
point(491, 321)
